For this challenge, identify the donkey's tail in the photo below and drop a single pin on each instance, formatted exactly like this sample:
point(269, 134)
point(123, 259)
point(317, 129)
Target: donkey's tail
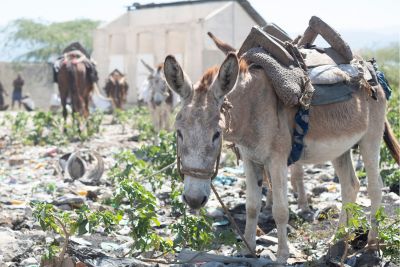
point(72, 88)
point(391, 142)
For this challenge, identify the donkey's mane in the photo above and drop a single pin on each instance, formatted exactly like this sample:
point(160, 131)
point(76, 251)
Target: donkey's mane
point(160, 67)
point(209, 76)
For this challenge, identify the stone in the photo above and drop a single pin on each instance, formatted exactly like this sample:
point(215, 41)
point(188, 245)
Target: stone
point(213, 264)
point(80, 241)
point(15, 161)
point(324, 177)
point(8, 244)
point(29, 262)
point(327, 212)
point(71, 200)
point(266, 253)
point(215, 213)
point(107, 246)
point(336, 179)
point(318, 190)
point(267, 240)
point(390, 197)
point(368, 259)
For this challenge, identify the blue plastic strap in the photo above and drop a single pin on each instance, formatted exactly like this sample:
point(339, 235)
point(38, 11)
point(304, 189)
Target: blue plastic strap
point(301, 119)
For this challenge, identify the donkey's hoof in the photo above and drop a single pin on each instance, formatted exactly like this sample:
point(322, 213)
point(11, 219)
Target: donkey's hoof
point(282, 256)
point(244, 252)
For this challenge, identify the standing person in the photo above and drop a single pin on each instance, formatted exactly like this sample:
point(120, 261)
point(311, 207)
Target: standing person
point(2, 93)
point(17, 92)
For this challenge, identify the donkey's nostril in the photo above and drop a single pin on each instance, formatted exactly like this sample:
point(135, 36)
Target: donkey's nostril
point(204, 201)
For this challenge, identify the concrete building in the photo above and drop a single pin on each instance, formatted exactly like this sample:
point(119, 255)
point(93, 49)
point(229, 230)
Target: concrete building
point(152, 31)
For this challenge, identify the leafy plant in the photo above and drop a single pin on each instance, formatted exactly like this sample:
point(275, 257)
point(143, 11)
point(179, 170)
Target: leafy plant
point(142, 121)
point(45, 128)
point(357, 223)
point(131, 173)
point(389, 234)
point(67, 224)
point(142, 216)
point(18, 125)
point(121, 117)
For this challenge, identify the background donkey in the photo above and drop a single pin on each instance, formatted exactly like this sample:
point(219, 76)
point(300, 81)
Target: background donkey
point(74, 82)
point(159, 98)
point(262, 127)
point(116, 88)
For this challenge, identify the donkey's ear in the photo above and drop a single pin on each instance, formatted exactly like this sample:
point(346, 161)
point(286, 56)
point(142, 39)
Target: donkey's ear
point(227, 76)
point(148, 67)
point(177, 80)
point(224, 47)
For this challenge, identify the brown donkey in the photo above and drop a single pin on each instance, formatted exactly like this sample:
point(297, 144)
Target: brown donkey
point(116, 88)
point(262, 128)
point(74, 82)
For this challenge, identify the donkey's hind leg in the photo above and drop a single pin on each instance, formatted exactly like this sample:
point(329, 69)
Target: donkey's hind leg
point(349, 182)
point(297, 181)
point(370, 149)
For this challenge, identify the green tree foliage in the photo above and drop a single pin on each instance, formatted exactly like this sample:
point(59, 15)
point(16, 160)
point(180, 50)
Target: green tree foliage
point(388, 59)
point(47, 40)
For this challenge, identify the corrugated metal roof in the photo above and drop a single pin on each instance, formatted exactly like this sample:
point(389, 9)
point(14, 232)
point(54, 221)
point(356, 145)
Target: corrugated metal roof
point(243, 3)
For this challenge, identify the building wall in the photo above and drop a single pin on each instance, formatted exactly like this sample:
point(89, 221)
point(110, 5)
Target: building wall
point(152, 34)
point(38, 81)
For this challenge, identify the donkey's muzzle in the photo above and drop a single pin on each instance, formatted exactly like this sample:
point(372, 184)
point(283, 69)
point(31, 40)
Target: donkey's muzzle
point(195, 203)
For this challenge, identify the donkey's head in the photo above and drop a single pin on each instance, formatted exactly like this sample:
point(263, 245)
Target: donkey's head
point(199, 124)
point(156, 84)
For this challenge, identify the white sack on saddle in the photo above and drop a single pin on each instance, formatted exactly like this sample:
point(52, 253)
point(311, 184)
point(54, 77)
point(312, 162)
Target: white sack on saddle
point(355, 69)
point(327, 74)
point(100, 102)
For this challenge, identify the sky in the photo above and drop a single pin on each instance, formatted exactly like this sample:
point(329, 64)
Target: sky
point(363, 23)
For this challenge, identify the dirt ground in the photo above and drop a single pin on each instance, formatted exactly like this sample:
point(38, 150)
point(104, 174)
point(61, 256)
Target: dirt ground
point(32, 173)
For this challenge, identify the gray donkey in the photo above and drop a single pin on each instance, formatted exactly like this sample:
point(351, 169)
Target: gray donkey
point(262, 127)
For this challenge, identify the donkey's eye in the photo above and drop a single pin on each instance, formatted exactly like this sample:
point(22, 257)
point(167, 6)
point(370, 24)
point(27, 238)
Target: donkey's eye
point(179, 134)
point(216, 136)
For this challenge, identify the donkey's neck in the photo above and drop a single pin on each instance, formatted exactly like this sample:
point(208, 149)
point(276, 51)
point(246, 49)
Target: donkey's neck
point(254, 109)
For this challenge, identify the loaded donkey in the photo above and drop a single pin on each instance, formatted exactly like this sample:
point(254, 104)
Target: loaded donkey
point(270, 114)
point(296, 169)
point(76, 75)
point(116, 88)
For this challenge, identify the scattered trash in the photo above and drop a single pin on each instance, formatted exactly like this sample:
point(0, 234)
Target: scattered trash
point(224, 180)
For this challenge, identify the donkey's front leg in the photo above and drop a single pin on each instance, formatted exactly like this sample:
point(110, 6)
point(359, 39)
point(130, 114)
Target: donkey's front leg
point(280, 209)
point(254, 178)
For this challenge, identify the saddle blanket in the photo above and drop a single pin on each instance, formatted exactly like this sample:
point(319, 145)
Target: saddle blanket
point(332, 93)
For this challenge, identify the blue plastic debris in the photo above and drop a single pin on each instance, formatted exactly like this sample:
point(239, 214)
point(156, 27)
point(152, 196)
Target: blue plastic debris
point(224, 180)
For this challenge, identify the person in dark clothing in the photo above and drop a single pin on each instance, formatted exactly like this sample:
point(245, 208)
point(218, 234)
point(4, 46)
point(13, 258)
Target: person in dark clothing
point(2, 93)
point(17, 92)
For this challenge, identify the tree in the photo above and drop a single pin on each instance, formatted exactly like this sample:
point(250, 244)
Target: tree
point(388, 59)
point(44, 41)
